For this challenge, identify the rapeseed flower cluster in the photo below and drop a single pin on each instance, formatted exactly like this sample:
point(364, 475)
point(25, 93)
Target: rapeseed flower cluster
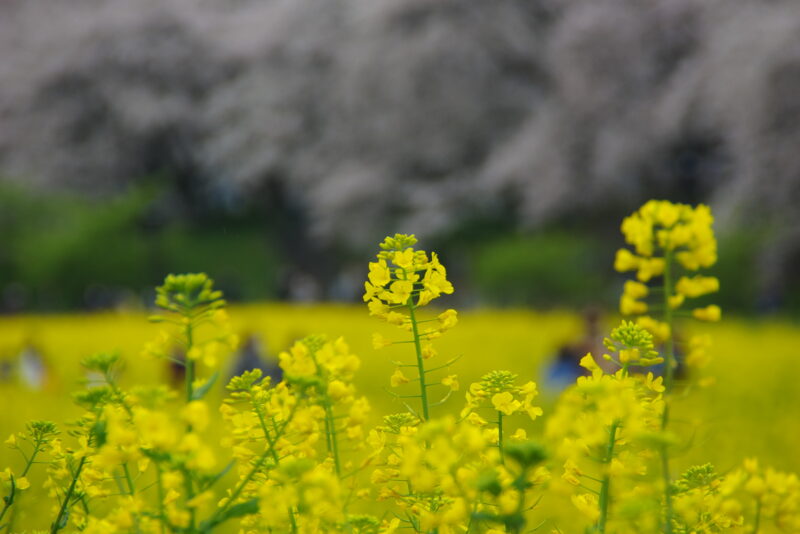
point(402, 281)
point(603, 431)
point(497, 391)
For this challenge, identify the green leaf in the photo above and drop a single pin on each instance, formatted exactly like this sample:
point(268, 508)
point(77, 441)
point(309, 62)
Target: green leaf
point(200, 392)
point(9, 500)
point(100, 434)
point(237, 510)
point(210, 481)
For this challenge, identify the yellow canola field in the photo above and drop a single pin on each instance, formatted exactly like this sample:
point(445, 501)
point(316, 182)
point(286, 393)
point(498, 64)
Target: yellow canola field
point(752, 410)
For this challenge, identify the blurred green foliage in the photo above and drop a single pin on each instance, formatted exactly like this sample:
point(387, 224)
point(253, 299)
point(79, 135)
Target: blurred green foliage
point(556, 268)
point(238, 255)
point(57, 246)
point(544, 269)
point(736, 270)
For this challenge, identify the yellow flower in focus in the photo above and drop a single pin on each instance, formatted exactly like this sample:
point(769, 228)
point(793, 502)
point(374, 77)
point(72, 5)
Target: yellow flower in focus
point(404, 259)
point(400, 291)
point(379, 274)
point(376, 307)
point(505, 402)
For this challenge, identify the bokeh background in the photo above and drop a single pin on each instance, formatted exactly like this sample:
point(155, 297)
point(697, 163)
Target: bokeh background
point(272, 143)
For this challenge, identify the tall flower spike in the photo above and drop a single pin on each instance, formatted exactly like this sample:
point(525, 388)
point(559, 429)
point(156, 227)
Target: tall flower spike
point(398, 284)
point(191, 302)
point(669, 242)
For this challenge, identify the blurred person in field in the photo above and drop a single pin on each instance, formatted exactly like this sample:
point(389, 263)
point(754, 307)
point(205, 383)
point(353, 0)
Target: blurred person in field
point(32, 369)
point(176, 368)
point(564, 367)
point(6, 371)
point(253, 355)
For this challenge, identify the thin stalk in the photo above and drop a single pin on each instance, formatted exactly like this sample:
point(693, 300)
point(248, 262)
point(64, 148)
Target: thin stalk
point(56, 525)
point(423, 389)
point(330, 419)
point(517, 526)
point(162, 516)
point(10, 501)
point(190, 368)
point(605, 487)
point(500, 436)
point(189, 489)
point(245, 480)
point(36, 450)
point(333, 445)
point(269, 452)
point(189, 363)
point(757, 520)
point(128, 478)
point(669, 362)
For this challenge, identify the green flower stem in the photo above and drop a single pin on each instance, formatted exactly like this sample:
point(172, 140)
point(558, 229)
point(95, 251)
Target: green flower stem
point(160, 488)
point(423, 388)
point(667, 486)
point(669, 364)
point(128, 478)
point(9, 501)
point(189, 489)
point(36, 450)
point(56, 525)
point(330, 419)
point(500, 436)
point(519, 514)
point(668, 319)
point(757, 521)
point(333, 445)
point(190, 368)
point(189, 364)
point(605, 486)
point(261, 459)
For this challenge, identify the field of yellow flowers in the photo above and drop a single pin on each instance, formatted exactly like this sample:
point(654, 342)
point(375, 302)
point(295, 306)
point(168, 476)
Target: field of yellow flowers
point(399, 417)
